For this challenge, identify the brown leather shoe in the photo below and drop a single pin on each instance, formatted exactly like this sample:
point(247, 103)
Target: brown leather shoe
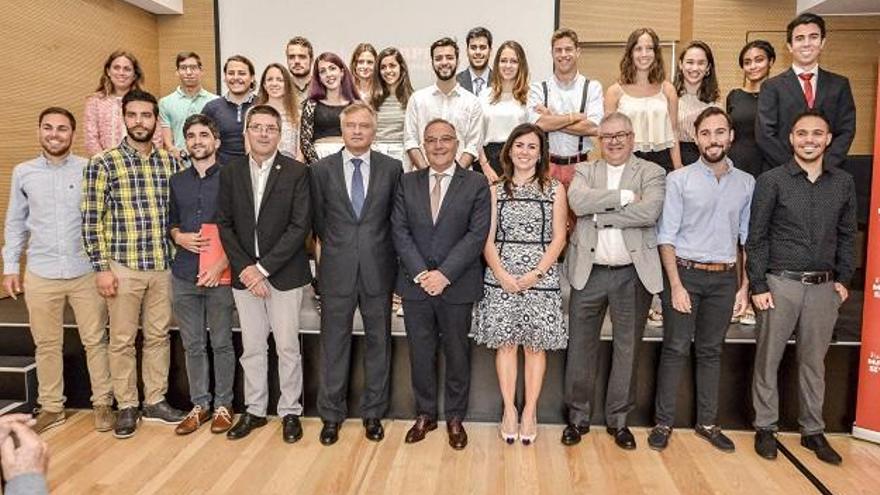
point(457, 435)
point(423, 425)
point(222, 420)
point(196, 418)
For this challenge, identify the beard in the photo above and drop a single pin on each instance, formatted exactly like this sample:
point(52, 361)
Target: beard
point(442, 77)
point(704, 154)
point(141, 134)
point(58, 152)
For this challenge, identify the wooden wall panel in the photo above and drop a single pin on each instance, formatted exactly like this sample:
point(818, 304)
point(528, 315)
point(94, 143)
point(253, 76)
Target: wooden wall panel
point(53, 53)
point(614, 20)
point(192, 31)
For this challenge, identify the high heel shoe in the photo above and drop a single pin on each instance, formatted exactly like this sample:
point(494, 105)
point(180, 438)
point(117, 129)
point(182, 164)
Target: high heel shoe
point(528, 435)
point(509, 438)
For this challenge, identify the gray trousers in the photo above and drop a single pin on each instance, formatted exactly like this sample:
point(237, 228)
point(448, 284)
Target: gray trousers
point(337, 316)
point(812, 310)
point(621, 291)
point(196, 310)
point(279, 314)
point(712, 297)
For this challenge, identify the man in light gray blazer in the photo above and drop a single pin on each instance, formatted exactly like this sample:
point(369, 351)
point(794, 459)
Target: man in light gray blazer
point(352, 198)
point(611, 263)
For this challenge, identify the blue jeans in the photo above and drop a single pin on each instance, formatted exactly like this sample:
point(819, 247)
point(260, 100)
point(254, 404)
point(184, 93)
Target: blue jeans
point(198, 309)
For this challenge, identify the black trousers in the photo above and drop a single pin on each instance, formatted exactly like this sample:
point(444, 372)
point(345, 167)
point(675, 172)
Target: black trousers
point(337, 315)
point(432, 324)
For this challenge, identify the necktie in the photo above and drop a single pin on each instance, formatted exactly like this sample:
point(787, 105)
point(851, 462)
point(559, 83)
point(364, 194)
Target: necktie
point(807, 77)
point(435, 195)
point(357, 187)
point(478, 85)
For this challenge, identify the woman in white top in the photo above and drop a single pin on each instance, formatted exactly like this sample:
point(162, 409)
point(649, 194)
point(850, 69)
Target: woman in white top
point(276, 90)
point(394, 90)
point(697, 88)
point(504, 104)
point(363, 66)
point(330, 91)
point(644, 95)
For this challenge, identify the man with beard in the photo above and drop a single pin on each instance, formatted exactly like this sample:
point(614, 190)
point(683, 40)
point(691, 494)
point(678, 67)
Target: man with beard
point(568, 106)
point(299, 54)
point(801, 256)
point(125, 234)
point(447, 100)
point(478, 74)
point(701, 231)
point(43, 213)
point(202, 299)
point(439, 224)
point(188, 99)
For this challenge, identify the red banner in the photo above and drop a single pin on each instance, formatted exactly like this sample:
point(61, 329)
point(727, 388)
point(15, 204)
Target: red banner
point(867, 424)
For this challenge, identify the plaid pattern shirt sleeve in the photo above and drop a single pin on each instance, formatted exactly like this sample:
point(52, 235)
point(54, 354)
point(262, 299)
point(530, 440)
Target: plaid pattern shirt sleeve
point(94, 201)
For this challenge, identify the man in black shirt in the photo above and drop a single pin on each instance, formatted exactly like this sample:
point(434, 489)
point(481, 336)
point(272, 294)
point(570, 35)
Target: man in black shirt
point(800, 258)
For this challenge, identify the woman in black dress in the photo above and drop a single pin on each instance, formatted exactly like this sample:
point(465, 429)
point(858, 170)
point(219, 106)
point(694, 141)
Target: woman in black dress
point(755, 59)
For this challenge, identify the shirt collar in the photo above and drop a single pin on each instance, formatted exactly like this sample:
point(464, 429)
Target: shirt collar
point(180, 92)
point(485, 77)
point(708, 171)
point(213, 169)
point(572, 84)
point(129, 149)
point(448, 171)
point(800, 70)
point(347, 156)
point(456, 90)
point(42, 160)
point(793, 168)
point(266, 163)
point(249, 99)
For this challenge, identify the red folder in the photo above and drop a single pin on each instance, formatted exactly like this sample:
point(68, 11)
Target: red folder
point(214, 252)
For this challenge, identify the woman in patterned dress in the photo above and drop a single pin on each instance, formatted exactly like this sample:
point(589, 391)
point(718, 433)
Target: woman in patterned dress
point(522, 303)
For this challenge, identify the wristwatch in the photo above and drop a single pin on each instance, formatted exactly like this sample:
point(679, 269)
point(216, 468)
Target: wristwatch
point(540, 274)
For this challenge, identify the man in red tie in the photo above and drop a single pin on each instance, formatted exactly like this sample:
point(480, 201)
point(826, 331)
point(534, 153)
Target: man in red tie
point(804, 86)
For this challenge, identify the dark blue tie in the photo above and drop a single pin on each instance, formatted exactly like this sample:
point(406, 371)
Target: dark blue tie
point(357, 187)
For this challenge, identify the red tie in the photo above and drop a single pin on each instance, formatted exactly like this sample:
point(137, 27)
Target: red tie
point(806, 77)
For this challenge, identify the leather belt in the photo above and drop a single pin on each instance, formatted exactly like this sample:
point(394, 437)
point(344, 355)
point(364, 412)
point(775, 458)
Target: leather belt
point(612, 267)
point(568, 160)
point(806, 278)
point(706, 267)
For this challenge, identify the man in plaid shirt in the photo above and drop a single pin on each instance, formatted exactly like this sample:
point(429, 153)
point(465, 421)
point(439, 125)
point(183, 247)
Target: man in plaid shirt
point(125, 215)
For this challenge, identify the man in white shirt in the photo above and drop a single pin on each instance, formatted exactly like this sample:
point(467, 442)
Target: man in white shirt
point(479, 47)
point(447, 100)
point(613, 265)
point(567, 106)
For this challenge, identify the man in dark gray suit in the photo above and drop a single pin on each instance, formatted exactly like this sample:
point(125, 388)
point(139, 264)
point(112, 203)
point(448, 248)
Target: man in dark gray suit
point(612, 264)
point(352, 198)
point(440, 224)
point(479, 48)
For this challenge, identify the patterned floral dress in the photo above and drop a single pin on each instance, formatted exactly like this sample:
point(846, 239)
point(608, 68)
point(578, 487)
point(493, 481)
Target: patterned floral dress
point(533, 318)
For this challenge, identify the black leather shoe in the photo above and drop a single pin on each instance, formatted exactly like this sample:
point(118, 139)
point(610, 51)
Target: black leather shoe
point(818, 444)
point(329, 433)
point(246, 423)
point(622, 437)
point(373, 429)
point(765, 443)
point(162, 412)
point(658, 439)
point(126, 422)
point(291, 429)
point(713, 435)
point(572, 433)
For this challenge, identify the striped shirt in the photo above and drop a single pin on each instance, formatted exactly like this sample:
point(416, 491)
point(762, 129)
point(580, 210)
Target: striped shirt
point(125, 208)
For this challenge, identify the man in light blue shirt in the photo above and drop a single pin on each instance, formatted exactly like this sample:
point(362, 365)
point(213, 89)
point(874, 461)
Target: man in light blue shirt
point(188, 99)
point(44, 215)
point(701, 232)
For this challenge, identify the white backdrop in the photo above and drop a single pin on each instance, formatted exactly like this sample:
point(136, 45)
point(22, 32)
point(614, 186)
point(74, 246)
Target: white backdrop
point(260, 29)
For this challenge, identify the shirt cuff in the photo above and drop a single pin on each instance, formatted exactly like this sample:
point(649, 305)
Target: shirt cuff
point(11, 268)
point(27, 483)
point(419, 275)
point(262, 270)
point(626, 197)
point(759, 286)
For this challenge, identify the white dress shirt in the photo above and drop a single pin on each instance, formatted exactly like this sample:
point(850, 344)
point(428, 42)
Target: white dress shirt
point(814, 81)
point(348, 169)
point(459, 107)
point(447, 174)
point(487, 74)
point(610, 248)
point(563, 98)
point(259, 176)
point(499, 119)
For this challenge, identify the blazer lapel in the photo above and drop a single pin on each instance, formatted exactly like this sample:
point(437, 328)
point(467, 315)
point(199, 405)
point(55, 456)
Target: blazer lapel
point(374, 174)
point(337, 173)
point(795, 89)
point(274, 172)
point(821, 88)
point(454, 186)
point(245, 181)
point(628, 176)
point(600, 177)
point(423, 198)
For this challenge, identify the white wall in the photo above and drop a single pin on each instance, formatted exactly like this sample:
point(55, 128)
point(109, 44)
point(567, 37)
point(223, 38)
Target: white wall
point(259, 29)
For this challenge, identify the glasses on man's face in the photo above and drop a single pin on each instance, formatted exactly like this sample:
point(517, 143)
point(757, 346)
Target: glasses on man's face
point(432, 141)
point(618, 137)
point(264, 129)
point(189, 68)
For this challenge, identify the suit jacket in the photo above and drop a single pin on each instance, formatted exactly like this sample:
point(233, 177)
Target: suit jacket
point(588, 195)
point(355, 250)
point(284, 221)
point(453, 245)
point(782, 99)
point(464, 79)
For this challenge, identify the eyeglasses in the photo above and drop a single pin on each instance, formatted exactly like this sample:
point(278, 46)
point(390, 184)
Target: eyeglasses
point(260, 129)
point(442, 139)
point(189, 68)
point(618, 137)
